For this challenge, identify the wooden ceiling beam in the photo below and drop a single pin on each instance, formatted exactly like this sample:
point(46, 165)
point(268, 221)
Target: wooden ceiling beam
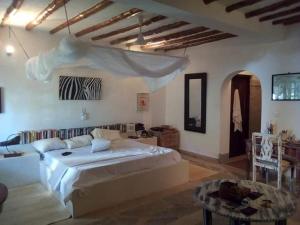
point(270, 8)
point(241, 4)
point(109, 22)
point(151, 32)
point(292, 21)
point(181, 40)
point(206, 2)
point(84, 14)
point(176, 35)
point(12, 9)
point(197, 42)
point(287, 21)
point(280, 14)
point(51, 8)
point(126, 29)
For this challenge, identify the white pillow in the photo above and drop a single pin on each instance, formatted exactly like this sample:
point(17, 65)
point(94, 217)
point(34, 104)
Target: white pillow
point(106, 134)
point(79, 141)
point(46, 145)
point(100, 144)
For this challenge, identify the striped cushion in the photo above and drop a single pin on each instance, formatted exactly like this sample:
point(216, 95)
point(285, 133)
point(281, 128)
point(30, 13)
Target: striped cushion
point(34, 135)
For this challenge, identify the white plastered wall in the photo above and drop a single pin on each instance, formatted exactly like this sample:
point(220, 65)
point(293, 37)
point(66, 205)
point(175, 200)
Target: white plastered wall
point(31, 104)
point(221, 60)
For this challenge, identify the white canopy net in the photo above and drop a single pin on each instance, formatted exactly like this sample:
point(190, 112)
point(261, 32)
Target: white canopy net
point(157, 70)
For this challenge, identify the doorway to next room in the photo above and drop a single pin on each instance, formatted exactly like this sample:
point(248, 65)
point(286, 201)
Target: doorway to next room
point(245, 111)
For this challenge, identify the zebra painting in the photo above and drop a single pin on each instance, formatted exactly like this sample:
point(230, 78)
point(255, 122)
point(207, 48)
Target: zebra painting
point(79, 88)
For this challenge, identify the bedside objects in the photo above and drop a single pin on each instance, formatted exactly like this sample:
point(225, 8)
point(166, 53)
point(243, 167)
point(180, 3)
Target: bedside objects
point(66, 153)
point(195, 102)
point(12, 154)
point(148, 140)
point(133, 137)
point(11, 141)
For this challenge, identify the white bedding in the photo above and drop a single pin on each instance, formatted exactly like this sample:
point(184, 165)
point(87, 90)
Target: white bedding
point(83, 168)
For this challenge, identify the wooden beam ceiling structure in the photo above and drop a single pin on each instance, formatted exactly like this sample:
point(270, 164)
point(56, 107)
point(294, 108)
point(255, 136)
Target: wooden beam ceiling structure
point(197, 42)
point(109, 22)
point(280, 14)
point(150, 32)
point(270, 8)
point(288, 20)
point(153, 45)
point(83, 15)
point(174, 36)
point(209, 1)
point(12, 9)
point(241, 4)
point(129, 28)
point(51, 8)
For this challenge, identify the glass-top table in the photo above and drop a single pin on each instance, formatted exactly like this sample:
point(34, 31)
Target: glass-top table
point(272, 206)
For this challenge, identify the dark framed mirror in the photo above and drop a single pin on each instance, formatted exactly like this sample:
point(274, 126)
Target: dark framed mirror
point(195, 87)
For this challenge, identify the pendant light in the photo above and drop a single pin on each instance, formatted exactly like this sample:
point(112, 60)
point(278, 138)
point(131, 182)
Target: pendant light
point(9, 48)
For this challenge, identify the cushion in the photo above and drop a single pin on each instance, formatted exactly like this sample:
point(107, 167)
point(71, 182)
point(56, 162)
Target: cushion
point(79, 141)
point(100, 144)
point(106, 134)
point(46, 145)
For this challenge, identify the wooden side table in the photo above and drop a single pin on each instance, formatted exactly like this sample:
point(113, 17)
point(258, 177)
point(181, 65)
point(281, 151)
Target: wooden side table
point(3, 195)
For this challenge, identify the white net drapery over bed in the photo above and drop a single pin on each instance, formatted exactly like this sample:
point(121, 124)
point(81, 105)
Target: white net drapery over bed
point(157, 70)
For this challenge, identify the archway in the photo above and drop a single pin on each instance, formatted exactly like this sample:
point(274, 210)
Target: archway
point(252, 115)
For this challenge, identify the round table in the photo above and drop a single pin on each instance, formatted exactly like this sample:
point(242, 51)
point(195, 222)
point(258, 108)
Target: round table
point(3, 195)
point(282, 204)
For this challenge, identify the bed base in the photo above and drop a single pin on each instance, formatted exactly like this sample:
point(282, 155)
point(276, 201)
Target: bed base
point(115, 191)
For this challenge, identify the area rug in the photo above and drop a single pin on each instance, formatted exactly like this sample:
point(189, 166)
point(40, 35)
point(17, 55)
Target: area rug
point(32, 205)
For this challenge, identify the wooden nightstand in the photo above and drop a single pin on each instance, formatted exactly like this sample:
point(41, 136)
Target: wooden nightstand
point(148, 141)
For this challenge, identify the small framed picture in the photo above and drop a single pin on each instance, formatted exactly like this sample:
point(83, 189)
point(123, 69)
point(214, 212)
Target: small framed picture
point(143, 102)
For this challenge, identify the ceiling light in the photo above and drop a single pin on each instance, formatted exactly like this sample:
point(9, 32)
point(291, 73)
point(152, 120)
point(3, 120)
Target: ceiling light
point(9, 49)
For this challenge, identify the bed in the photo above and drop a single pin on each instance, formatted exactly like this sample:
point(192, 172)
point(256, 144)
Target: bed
point(85, 181)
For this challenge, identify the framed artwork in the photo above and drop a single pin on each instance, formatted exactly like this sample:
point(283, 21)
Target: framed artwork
point(143, 102)
point(286, 87)
point(79, 88)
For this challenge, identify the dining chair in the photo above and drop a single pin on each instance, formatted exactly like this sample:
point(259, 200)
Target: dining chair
point(267, 154)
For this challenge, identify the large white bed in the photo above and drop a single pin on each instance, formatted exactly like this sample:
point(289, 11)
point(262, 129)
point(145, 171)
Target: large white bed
point(86, 181)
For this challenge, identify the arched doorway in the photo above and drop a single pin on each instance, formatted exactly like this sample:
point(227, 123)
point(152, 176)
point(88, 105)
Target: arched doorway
point(240, 111)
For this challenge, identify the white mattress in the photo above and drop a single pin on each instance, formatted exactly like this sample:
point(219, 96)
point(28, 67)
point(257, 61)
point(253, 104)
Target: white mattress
point(83, 168)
